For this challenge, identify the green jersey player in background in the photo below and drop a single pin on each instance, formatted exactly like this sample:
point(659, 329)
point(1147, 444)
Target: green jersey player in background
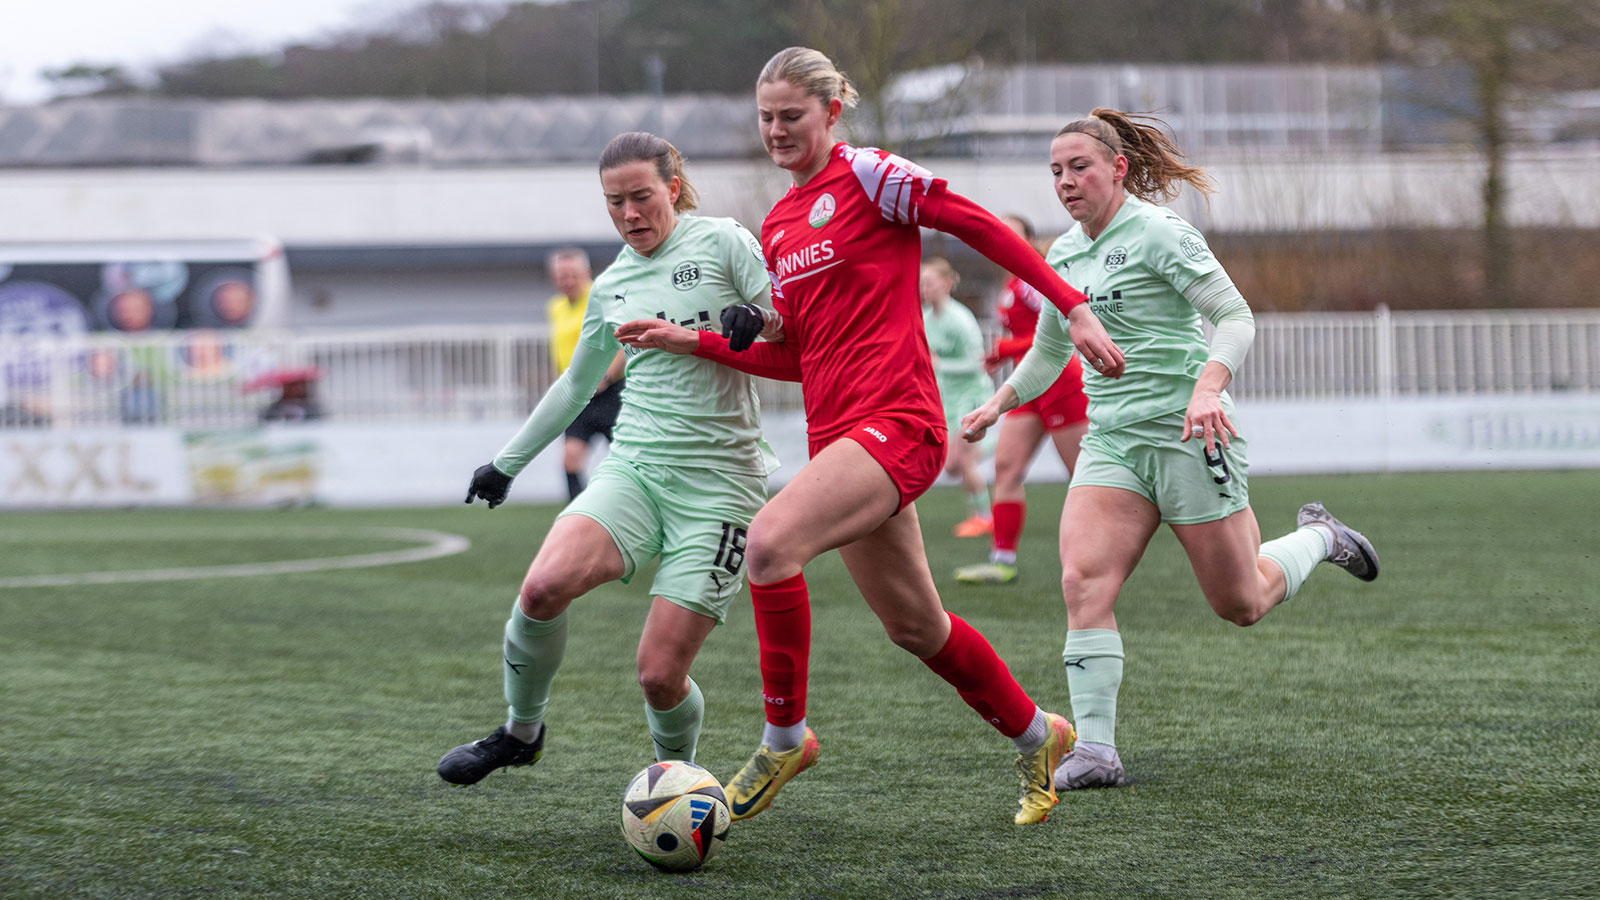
point(956, 342)
point(1162, 446)
point(686, 473)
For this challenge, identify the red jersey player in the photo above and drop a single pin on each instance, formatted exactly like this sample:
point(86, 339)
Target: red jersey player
point(1062, 412)
point(843, 248)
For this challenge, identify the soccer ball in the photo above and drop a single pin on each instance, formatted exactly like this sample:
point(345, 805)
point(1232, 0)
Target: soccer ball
point(675, 815)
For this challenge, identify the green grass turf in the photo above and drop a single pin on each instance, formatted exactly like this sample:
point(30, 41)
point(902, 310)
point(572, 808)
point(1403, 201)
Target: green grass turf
point(1432, 734)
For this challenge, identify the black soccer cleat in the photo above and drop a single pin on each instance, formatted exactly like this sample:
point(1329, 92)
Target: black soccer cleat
point(469, 763)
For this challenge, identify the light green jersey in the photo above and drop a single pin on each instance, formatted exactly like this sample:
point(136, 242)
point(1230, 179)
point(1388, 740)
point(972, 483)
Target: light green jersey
point(1135, 274)
point(676, 410)
point(957, 345)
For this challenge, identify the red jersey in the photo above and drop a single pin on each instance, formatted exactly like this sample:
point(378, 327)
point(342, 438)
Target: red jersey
point(1019, 308)
point(843, 251)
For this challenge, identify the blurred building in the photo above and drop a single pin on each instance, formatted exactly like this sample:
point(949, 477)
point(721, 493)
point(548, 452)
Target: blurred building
point(442, 211)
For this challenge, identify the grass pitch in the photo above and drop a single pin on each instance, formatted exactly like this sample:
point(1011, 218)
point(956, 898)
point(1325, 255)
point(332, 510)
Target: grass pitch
point(1433, 734)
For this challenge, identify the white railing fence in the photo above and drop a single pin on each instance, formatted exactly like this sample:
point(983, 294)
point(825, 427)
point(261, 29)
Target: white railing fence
point(210, 379)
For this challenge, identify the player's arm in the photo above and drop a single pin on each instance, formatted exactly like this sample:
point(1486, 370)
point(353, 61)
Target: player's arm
point(593, 356)
point(1010, 348)
point(979, 229)
point(779, 360)
point(1234, 329)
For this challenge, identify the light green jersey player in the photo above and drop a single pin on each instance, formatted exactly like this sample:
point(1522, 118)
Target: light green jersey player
point(686, 474)
point(684, 421)
point(1162, 446)
point(956, 342)
point(1149, 277)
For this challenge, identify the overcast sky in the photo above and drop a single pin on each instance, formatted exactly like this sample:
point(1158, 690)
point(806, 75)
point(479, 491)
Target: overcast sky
point(140, 34)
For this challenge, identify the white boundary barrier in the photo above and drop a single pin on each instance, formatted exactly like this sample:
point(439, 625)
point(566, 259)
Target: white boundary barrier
point(430, 464)
point(411, 413)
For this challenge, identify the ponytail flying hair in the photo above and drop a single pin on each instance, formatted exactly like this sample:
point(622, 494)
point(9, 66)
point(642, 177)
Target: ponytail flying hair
point(1155, 165)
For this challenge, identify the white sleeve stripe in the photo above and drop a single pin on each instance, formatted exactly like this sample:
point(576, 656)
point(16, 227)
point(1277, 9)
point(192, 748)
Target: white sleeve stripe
point(892, 183)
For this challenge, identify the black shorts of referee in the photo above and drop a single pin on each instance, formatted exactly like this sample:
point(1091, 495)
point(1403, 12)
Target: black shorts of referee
point(599, 416)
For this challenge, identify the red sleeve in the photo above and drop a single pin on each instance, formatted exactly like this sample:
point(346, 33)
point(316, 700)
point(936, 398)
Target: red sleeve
point(780, 361)
point(979, 229)
point(1012, 347)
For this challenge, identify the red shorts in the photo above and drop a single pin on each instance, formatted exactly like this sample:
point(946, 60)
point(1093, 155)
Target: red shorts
point(911, 452)
point(1062, 404)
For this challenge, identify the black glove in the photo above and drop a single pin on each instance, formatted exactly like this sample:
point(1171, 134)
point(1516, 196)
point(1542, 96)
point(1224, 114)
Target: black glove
point(490, 484)
point(741, 325)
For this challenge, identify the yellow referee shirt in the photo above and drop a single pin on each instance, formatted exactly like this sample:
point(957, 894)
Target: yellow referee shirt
point(566, 323)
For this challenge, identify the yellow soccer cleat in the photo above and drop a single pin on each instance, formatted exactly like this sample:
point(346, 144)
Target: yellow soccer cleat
point(753, 788)
point(1036, 771)
point(987, 573)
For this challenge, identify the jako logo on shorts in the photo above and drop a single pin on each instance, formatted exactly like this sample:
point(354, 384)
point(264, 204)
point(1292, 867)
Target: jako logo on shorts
point(876, 433)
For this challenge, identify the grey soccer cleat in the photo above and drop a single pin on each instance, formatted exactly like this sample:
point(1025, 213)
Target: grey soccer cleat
point(1090, 766)
point(1351, 551)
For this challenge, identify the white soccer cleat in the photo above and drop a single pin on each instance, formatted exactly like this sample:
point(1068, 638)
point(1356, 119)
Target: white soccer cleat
point(1090, 766)
point(1352, 552)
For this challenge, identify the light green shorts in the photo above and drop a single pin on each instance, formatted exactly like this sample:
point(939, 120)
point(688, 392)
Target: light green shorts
point(1146, 458)
point(694, 519)
point(959, 403)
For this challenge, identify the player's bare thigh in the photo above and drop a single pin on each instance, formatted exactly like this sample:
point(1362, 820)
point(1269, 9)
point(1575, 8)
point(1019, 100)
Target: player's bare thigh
point(1104, 531)
point(577, 556)
point(1225, 556)
point(1068, 442)
point(841, 495)
point(890, 568)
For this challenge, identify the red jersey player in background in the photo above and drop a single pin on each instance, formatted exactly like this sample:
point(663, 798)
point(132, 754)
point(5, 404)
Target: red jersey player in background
point(843, 248)
point(1062, 412)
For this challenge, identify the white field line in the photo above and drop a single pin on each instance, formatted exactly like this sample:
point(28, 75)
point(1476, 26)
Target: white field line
point(437, 544)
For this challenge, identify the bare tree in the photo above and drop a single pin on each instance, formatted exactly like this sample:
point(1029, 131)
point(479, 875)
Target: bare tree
point(1515, 49)
point(875, 40)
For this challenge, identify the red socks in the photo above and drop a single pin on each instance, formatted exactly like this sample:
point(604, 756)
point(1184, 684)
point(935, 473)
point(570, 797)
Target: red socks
point(783, 630)
point(980, 676)
point(1008, 516)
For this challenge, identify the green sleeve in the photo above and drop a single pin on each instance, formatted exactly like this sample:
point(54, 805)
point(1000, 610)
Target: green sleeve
point(567, 397)
point(1216, 298)
point(1043, 363)
point(1177, 251)
point(747, 268)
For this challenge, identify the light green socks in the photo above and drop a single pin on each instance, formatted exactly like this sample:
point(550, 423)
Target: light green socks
point(1296, 553)
point(979, 503)
point(676, 731)
point(533, 652)
point(1093, 657)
